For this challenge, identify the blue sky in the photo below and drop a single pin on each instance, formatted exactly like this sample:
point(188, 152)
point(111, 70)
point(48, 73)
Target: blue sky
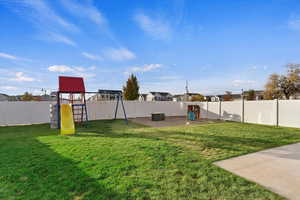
point(216, 45)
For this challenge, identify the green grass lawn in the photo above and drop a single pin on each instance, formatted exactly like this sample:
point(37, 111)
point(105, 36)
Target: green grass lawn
point(110, 160)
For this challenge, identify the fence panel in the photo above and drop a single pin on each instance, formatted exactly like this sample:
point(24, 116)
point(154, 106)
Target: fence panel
point(289, 113)
point(3, 111)
point(231, 110)
point(13, 113)
point(260, 112)
point(213, 110)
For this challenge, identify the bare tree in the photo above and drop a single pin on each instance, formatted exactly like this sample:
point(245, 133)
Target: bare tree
point(228, 96)
point(272, 89)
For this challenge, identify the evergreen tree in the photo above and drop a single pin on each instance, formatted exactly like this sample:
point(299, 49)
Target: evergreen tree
point(131, 90)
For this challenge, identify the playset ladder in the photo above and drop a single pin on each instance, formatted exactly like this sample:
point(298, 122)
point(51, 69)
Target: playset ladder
point(79, 113)
point(79, 109)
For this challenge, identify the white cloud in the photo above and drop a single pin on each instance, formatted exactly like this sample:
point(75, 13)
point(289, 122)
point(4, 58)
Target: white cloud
point(13, 57)
point(294, 23)
point(45, 19)
point(57, 37)
point(8, 56)
point(60, 68)
point(79, 69)
point(46, 13)
point(8, 88)
point(156, 28)
point(85, 74)
point(170, 77)
point(76, 70)
point(85, 9)
point(120, 54)
point(41, 14)
point(91, 56)
point(245, 83)
point(20, 77)
point(92, 68)
point(259, 67)
point(145, 68)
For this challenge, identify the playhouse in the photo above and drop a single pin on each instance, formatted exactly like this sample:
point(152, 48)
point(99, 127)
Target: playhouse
point(193, 112)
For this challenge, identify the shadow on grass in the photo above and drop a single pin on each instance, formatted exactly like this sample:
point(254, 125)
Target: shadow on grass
point(204, 137)
point(30, 169)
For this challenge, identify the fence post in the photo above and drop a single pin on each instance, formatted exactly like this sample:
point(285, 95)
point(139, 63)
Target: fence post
point(243, 109)
point(277, 112)
point(206, 109)
point(220, 110)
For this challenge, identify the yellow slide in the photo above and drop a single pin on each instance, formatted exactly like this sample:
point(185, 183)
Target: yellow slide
point(66, 119)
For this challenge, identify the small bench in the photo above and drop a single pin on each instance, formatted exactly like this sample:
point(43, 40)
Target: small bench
point(158, 116)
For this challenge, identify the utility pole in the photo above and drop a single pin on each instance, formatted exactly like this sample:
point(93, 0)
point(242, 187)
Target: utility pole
point(44, 90)
point(186, 91)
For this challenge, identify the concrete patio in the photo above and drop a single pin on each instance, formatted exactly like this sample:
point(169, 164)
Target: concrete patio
point(277, 169)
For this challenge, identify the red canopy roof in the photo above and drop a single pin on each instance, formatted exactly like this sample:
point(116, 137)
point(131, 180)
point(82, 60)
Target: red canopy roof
point(71, 84)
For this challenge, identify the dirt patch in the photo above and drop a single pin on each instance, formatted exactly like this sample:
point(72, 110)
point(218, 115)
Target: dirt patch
point(170, 121)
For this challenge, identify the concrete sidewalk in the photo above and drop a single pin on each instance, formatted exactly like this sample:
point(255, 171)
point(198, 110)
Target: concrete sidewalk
point(277, 169)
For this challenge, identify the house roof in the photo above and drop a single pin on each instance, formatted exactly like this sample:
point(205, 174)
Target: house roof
point(191, 94)
point(4, 94)
point(256, 92)
point(161, 93)
point(112, 92)
point(222, 95)
point(71, 84)
point(178, 95)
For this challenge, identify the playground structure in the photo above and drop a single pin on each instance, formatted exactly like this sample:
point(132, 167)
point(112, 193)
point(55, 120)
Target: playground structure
point(71, 103)
point(71, 107)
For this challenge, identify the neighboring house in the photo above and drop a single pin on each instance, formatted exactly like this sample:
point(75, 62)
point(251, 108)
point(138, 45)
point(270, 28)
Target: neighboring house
point(4, 97)
point(259, 94)
point(184, 97)
point(47, 97)
point(214, 98)
point(295, 96)
point(189, 96)
point(15, 98)
point(159, 96)
point(104, 95)
point(143, 97)
point(178, 97)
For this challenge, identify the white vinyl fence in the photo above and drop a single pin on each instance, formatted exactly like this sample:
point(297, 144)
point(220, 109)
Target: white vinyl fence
point(272, 112)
